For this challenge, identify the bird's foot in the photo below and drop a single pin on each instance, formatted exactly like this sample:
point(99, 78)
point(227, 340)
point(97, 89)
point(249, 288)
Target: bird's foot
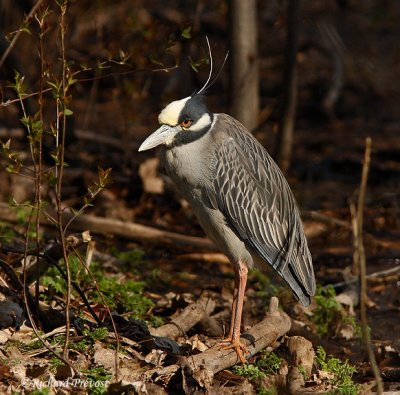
point(236, 345)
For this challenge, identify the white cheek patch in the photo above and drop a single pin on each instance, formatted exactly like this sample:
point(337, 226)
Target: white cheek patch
point(204, 121)
point(170, 114)
point(169, 140)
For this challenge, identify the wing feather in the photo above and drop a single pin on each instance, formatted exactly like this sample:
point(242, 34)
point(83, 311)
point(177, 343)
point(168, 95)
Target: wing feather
point(254, 196)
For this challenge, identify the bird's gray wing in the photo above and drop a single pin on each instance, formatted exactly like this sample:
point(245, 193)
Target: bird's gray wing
point(254, 196)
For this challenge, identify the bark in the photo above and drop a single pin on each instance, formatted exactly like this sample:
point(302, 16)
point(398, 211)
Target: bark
point(128, 230)
point(285, 143)
point(202, 367)
point(187, 319)
point(244, 69)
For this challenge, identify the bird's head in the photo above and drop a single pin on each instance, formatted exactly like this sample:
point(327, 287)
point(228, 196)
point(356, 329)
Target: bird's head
point(181, 121)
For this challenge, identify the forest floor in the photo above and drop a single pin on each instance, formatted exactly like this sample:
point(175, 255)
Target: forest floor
point(149, 280)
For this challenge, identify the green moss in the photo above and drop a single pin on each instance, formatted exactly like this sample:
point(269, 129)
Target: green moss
point(131, 259)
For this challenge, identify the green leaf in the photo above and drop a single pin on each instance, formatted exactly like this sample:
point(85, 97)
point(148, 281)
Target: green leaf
point(186, 32)
point(68, 112)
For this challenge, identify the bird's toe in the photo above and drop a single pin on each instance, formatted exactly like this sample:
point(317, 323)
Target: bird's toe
point(239, 347)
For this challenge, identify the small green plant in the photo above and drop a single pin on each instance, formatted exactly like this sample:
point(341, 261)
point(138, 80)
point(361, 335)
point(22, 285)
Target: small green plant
point(328, 310)
point(156, 321)
point(267, 391)
point(248, 370)
point(97, 380)
point(55, 363)
point(329, 313)
point(41, 391)
point(7, 234)
point(265, 288)
point(303, 372)
point(97, 334)
point(81, 346)
point(125, 296)
point(342, 381)
point(269, 363)
point(130, 259)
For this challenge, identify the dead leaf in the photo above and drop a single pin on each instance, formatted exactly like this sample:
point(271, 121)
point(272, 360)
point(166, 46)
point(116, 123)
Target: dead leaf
point(104, 356)
point(148, 172)
point(347, 332)
point(4, 336)
point(204, 377)
point(197, 344)
point(155, 357)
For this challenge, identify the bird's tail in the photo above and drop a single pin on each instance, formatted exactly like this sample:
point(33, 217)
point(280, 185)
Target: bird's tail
point(297, 287)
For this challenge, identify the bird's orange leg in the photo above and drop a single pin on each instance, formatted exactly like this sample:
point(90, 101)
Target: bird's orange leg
point(237, 306)
point(233, 310)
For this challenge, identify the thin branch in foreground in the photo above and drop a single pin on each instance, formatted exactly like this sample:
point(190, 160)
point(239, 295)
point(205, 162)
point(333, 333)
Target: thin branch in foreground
point(360, 261)
point(84, 262)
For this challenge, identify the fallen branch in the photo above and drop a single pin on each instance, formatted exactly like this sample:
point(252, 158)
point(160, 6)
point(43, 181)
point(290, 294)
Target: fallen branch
point(134, 231)
point(130, 230)
point(213, 257)
point(381, 273)
point(187, 319)
point(202, 367)
point(325, 219)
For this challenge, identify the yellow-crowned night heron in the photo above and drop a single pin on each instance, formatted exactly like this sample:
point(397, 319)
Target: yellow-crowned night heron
point(239, 195)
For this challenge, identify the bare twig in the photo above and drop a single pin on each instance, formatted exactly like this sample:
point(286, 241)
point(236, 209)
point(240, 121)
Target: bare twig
point(84, 264)
point(325, 219)
point(359, 259)
point(380, 273)
point(18, 33)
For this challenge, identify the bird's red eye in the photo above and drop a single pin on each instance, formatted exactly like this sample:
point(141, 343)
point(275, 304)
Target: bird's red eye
point(186, 123)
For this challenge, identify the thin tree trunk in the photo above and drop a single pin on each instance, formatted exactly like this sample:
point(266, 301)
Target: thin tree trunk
point(285, 143)
point(244, 66)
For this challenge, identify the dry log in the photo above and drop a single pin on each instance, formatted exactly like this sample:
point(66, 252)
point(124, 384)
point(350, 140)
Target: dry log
point(131, 230)
point(302, 354)
point(139, 232)
point(203, 366)
point(128, 230)
point(187, 319)
point(275, 324)
point(213, 257)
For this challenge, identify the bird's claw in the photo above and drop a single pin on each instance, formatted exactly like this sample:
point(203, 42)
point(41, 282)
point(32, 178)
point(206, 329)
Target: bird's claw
point(237, 346)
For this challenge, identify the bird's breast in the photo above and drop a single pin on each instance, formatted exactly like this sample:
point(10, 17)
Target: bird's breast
point(189, 167)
